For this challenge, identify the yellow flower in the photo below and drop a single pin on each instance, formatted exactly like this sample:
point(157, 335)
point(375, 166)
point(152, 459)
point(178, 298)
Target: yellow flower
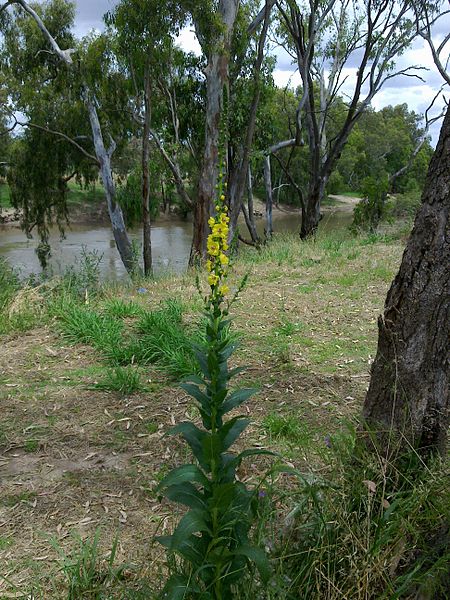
point(222, 197)
point(224, 289)
point(209, 265)
point(211, 221)
point(218, 207)
point(225, 246)
point(224, 260)
point(213, 279)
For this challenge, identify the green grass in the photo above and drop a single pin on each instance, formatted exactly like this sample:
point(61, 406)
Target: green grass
point(13, 499)
point(4, 196)
point(125, 380)
point(365, 529)
point(287, 428)
point(158, 337)
point(78, 196)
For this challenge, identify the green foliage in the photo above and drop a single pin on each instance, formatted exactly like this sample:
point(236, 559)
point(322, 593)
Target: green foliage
point(9, 284)
point(372, 208)
point(129, 196)
point(4, 196)
point(158, 337)
point(87, 575)
point(288, 428)
point(212, 539)
point(125, 380)
point(83, 277)
point(367, 530)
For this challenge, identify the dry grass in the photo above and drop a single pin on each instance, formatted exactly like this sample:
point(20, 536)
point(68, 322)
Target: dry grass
point(74, 459)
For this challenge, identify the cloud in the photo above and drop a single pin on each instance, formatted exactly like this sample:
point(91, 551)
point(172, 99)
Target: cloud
point(397, 90)
point(90, 13)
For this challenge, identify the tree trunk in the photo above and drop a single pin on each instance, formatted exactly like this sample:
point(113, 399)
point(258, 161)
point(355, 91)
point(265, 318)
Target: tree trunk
point(216, 82)
point(238, 181)
point(269, 197)
point(115, 212)
point(408, 394)
point(146, 220)
point(311, 215)
point(250, 217)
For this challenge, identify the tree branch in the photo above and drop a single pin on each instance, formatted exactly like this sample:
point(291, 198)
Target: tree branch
point(64, 137)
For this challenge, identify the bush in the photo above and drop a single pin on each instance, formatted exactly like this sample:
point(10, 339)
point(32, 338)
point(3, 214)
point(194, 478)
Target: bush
point(367, 530)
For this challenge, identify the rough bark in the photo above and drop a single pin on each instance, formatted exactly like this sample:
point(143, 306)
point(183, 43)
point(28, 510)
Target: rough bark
point(146, 220)
point(408, 394)
point(216, 82)
point(115, 212)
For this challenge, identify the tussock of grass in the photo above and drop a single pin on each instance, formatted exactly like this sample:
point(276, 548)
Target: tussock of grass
point(159, 337)
point(125, 380)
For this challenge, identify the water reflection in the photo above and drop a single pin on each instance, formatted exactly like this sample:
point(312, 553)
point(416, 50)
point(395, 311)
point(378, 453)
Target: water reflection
point(171, 241)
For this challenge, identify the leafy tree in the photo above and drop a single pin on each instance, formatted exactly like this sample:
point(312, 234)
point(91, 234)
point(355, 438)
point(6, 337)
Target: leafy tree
point(33, 59)
point(323, 36)
point(144, 31)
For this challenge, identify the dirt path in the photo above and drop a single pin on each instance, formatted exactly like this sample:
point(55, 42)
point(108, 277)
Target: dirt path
point(348, 203)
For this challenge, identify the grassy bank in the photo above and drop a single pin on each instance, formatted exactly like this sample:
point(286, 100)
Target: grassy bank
point(77, 198)
point(88, 387)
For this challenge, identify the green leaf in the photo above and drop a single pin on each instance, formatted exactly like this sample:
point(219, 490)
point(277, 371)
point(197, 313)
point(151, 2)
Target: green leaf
point(187, 494)
point(194, 391)
point(203, 363)
point(193, 549)
point(192, 522)
point(227, 351)
point(251, 452)
point(194, 379)
point(177, 588)
point(236, 399)
point(194, 438)
point(184, 473)
point(236, 371)
point(257, 556)
point(231, 431)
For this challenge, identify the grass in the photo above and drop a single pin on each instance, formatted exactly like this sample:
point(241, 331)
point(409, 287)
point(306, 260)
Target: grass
point(308, 329)
point(157, 337)
point(125, 380)
point(4, 196)
point(360, 531)
point(77, 196)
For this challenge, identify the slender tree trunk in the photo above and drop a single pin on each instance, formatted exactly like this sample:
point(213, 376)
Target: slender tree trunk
point(146, 219)
point(250, 218)
point(238, 181)
point(115, 212)
point(311, 215)
point(408, 393)
point(216, 82)
point(269, 197)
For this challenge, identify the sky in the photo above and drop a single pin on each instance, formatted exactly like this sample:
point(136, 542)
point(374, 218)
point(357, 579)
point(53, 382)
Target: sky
point(413, 92)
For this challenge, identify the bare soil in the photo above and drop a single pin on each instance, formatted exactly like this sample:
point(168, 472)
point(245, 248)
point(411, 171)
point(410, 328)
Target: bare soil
point(73, 458)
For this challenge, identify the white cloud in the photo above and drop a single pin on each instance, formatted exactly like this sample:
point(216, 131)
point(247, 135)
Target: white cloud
point(399, 90)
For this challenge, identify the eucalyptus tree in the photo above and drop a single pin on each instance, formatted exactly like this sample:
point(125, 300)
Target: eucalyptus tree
point(250, 75)
point(144, 33)
point(325, 38)
point(408, 396)
point(40, 57)
point(214, 23)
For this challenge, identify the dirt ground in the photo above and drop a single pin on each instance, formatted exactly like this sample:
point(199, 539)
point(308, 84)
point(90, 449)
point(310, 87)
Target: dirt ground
point(74, 458)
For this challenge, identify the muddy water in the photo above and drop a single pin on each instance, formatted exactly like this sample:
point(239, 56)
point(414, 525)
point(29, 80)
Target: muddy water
point(170, 242)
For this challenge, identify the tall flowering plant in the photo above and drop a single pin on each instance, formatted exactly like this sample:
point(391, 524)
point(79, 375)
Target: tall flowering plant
point(211, 542)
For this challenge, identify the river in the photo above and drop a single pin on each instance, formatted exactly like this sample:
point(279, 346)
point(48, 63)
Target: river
point(171, 240)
